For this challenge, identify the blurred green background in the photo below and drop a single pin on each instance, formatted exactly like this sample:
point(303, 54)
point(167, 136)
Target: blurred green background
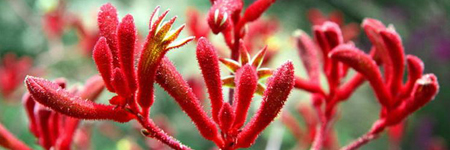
point(423, 25)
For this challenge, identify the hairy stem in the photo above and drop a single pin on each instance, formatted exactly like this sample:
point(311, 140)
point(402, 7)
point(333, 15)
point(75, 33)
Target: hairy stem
point(366, 138)
point(153, 131)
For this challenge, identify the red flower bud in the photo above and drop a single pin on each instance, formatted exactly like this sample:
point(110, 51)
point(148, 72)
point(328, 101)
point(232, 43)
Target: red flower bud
point(372, 28)
point(103, 59)
point(107, 23)
point(255, 10)
point(209, 64)
point(365, 65)
point(424, 91)
point(395, 50)
point(278, 88)
point(51, 95)
point(126, 38)
point(415, 71)
point(308, 51)
point(246, 82)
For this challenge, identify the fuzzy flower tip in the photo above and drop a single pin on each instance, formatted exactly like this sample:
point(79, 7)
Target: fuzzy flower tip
point(53, 96)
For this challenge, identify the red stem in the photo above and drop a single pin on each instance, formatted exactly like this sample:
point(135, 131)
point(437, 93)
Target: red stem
point(153, 131)
point(320, 136)
point(366, 138)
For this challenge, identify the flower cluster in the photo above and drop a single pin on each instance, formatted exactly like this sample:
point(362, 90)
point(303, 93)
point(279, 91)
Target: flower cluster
point(114, 55)
point(53, 129)
point(231, 117)
point(130, 69)
point(398, 99)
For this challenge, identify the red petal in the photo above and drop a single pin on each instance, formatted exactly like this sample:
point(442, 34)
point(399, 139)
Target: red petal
point(424, 91)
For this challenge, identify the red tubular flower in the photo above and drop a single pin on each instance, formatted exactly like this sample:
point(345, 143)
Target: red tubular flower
point(372, 28)
point(107, 23)
point(255, 10)
point(398, 100)
point(246, 82)
point(126, 38)
point(328, 36)
point(51, 95)
point(103, 59)
point(308, 51)
point(415, 71)
point(209, 64)
point(424, 91)
point(278, 89)
point(173, 83)
point(365, 65)
point(52, 129)
point(394, 46)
